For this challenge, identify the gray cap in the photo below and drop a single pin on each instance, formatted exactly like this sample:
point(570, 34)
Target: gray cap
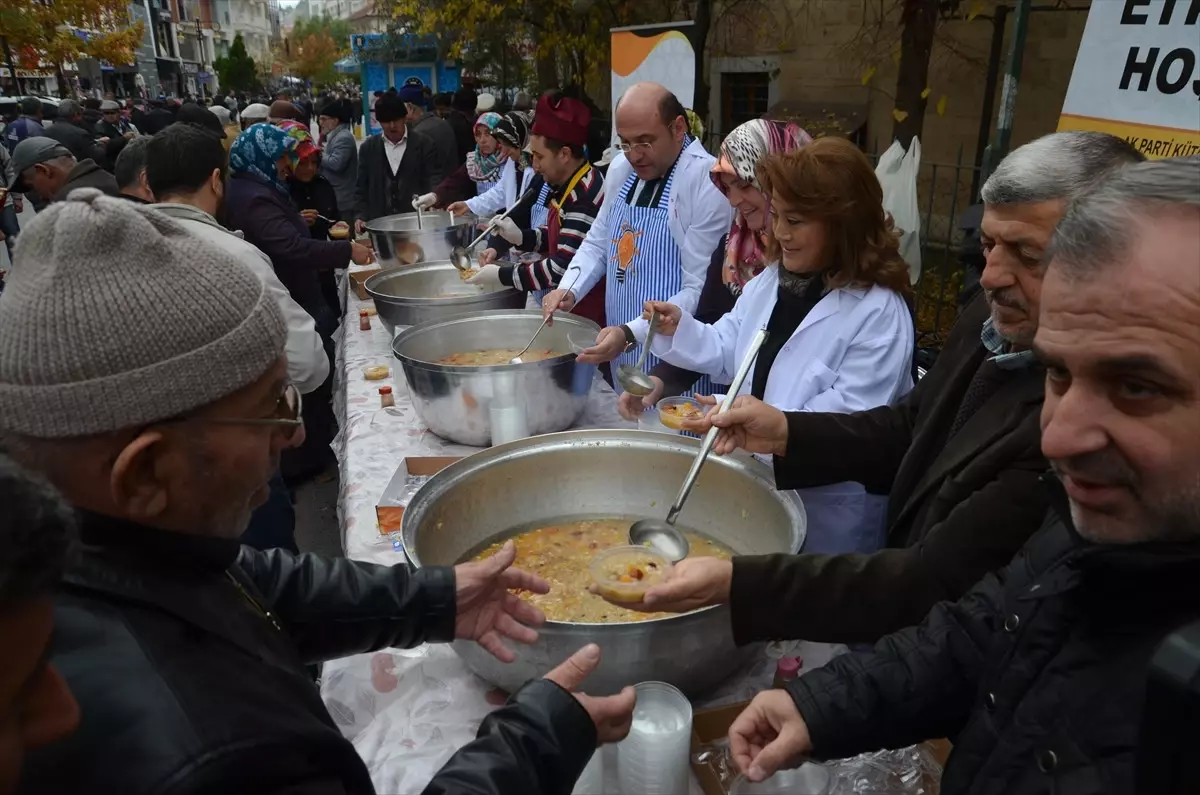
point(115, 317)
point(31, 151)
point(221, 112)
point(256, 110)
point(108, 106)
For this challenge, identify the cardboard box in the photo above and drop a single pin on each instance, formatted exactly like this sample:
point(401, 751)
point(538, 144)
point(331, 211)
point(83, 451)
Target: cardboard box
point(389, 517)
point(358, 280)
point(710, 725)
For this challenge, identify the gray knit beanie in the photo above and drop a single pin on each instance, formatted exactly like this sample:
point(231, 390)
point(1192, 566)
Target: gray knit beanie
point(115, 316)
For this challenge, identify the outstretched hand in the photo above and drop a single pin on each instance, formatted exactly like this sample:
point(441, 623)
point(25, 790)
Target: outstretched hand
point(486, 610)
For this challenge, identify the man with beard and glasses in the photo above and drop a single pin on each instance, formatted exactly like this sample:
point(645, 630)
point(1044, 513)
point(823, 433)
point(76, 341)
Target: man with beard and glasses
point(160, 411)
point(958, 456)
point(1039, 673)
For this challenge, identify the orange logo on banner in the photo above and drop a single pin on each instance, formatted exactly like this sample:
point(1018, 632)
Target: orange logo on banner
point(627, 249)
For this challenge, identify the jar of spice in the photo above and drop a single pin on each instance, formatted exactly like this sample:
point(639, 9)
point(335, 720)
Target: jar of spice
point(786, 670)
point(385, 397)
point(364, 320)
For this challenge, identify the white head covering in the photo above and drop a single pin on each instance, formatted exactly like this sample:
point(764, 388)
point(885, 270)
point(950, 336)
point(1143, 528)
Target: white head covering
point(484, 103)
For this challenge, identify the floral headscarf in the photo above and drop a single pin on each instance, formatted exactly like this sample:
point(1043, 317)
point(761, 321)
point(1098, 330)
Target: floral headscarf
point(257, 150)
point(741, 152)
point(481, 167)
point(298, 130)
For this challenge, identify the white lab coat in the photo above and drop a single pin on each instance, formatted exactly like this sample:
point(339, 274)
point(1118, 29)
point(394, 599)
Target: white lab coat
point(852, 352)
point(699, 215)
point(504, 193)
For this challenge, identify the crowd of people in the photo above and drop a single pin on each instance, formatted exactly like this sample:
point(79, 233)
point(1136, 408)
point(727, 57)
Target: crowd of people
point(1004, 542)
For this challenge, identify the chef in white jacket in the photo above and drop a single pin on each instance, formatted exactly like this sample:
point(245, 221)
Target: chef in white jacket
point(833, 301)
point(654, 237)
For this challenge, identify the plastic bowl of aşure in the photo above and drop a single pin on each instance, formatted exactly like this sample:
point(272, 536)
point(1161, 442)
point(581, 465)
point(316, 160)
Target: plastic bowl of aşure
point(673, 411)
point(340, 230)
point(624, 574)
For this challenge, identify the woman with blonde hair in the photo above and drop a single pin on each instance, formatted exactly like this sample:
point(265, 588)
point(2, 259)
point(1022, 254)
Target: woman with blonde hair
point(834, 300)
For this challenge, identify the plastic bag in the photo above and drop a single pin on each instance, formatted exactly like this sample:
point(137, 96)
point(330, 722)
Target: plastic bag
point(897, 172)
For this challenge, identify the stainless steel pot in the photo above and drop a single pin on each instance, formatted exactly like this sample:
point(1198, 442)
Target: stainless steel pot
point(456, 402)
point(398, 242)
point(432, 291)
point(605, 473)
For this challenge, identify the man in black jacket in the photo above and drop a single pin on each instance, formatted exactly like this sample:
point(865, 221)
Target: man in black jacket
point(37, 534)
point(1038, 674)
point(70, 130)
point(958, 456)
point(394, 166)
point(160, 410)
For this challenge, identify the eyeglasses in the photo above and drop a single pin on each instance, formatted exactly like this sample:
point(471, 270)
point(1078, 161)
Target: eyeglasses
point(287, 414)
point(640, 146)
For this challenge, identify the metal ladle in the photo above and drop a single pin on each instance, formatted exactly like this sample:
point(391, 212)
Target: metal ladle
point(633, 379)
point(517, 359)
point(664, 536)
point(460, 257)
point(417, 207)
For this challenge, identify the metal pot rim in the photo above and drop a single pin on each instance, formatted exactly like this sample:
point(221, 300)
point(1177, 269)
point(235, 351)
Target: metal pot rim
point(418, 300)
point(480, 316)
point(455, 221)
point(441, 481)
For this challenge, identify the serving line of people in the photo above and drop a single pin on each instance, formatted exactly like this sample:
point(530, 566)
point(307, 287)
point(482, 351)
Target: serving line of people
point(163, 487)
point(1007, 664)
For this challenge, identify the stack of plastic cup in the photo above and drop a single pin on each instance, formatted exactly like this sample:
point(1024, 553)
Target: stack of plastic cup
point(653, 759)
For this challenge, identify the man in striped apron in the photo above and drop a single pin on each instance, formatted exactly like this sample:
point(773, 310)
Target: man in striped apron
point(655, 235)
point(569, 197)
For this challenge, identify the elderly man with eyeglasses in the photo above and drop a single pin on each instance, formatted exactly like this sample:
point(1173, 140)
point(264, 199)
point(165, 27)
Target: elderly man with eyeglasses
point(654, 237)
point(142, 371)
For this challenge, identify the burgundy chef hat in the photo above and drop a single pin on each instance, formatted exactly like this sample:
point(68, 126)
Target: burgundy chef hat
point(562, 119)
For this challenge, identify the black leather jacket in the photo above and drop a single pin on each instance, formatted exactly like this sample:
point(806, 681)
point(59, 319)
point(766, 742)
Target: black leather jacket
point(187, 657)
point(1037, 675)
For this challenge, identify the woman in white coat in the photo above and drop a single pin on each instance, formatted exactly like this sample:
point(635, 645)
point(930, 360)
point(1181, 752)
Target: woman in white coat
point(834, 301)
point(512, 134)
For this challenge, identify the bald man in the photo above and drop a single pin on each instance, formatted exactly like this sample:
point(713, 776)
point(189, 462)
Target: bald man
point(655, 234)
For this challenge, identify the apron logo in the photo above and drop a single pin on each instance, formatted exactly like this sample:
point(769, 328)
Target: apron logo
point(627, 249)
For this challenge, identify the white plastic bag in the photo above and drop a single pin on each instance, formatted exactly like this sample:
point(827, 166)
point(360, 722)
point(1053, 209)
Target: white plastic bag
point(897, 173)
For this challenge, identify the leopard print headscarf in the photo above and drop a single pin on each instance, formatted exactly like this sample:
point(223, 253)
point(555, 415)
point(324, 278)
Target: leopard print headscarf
point(741, 152)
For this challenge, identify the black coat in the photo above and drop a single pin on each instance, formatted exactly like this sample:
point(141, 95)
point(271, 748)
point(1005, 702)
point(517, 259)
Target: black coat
point(268, 219)
point(81, 142)
point(187, 654)
point(418, 174)
point(1037, 675)
point(958, 507)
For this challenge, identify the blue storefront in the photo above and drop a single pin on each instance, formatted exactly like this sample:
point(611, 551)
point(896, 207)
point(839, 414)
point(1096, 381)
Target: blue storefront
point(389, 60)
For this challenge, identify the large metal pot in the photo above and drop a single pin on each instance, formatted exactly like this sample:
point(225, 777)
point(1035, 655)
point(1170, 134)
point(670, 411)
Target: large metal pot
point(432, 291)
point(398, 242)
point(605, 473)
point(455, 402)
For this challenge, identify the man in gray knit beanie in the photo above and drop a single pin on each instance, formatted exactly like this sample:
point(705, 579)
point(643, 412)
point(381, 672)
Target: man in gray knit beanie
point(142, 371)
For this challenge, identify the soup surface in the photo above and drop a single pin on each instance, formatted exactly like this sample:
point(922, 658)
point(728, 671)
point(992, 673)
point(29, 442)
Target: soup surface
point(561, 553)
point(495, 356)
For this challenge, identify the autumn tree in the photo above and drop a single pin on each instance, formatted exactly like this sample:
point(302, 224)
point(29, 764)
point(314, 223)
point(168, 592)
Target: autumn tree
point(337, 29)
point(237, 70)
point(64, 30)
point(313, 57)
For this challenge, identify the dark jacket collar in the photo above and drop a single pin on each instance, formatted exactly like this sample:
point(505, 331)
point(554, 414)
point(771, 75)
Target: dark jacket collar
point(163, 547)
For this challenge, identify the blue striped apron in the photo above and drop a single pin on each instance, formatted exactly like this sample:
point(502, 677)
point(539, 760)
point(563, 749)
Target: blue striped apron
point(483, 187)
point(539, 216)
point(644, 264)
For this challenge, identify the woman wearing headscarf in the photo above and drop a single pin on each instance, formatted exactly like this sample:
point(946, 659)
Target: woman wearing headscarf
point(834, 301)
point(316, 199)
point(742, 253)
point(512, 135)
point(259, 204)
point(478, 175)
